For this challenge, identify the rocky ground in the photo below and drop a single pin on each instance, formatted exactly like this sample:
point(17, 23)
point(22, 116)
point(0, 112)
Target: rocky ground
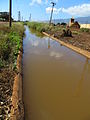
point(6, 85)
point(78, 39)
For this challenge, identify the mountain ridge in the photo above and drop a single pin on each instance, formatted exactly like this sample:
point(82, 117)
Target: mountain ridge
point(81, 20)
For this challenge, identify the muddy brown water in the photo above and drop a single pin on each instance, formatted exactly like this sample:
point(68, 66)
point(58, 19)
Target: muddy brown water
point(56, 84)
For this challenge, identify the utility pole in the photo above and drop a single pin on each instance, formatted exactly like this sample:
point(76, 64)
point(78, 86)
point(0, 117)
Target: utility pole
point(19, 16)
point(30, 17)
point(22, 18)
point(53, 4)
point(10, 13)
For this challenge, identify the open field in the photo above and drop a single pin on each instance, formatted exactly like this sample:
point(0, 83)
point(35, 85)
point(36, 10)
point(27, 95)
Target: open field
point(10, 45)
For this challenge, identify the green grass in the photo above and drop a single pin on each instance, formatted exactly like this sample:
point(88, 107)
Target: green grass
point(40, 27)
point(76, 32)
point(10, 43)
point(85, 30)
point(44, 27)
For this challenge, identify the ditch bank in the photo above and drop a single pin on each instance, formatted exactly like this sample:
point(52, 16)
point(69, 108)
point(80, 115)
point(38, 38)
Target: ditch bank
point(74, 48)
point(11, 104)
point(17, 110)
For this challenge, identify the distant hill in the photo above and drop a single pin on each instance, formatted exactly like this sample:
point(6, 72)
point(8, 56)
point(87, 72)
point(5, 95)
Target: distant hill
point(82, 20)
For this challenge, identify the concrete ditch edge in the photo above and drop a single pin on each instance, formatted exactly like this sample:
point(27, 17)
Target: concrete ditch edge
point(17, 110)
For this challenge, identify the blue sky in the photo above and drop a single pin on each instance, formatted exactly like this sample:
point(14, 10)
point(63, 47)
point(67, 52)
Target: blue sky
point(40, 9)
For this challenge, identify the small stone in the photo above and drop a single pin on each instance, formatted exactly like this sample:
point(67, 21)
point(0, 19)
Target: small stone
point(1, 103)
point(0, 116)
point(9, 115)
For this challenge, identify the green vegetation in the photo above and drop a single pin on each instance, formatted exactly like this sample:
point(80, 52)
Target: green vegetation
point(40, 27)
point(43, 27)
point(10, 43)
point(38, 34)
point(85, 30)
point(76, 32)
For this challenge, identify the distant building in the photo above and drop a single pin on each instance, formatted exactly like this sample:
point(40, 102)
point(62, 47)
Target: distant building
point(4, 16)
point(73, 23)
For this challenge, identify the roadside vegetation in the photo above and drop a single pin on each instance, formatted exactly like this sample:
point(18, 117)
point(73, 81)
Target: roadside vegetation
point(10, 44)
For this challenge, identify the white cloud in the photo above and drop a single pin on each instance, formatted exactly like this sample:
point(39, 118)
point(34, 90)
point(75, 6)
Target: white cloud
point(35, 1)
point(55, 10)
point(49, 1)
point(80, 10)
point(35, 43)
point(42, 1)
point(56, 54)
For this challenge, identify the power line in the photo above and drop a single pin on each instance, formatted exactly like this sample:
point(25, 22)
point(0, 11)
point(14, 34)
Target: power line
point(53, 4)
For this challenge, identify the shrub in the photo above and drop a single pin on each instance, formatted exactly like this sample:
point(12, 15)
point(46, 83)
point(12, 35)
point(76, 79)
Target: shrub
point(63, 23)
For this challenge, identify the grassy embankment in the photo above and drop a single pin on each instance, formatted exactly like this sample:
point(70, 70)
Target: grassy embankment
point(10, 44)
point(42, 27)
point(80, 37)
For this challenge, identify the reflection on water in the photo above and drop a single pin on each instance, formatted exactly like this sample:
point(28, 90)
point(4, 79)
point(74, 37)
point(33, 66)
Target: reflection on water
point(38, 34)
point(48, 43)
point(80, 84)
point(56, 82)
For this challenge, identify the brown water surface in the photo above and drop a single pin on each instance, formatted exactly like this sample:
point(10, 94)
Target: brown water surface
point(56, 84)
